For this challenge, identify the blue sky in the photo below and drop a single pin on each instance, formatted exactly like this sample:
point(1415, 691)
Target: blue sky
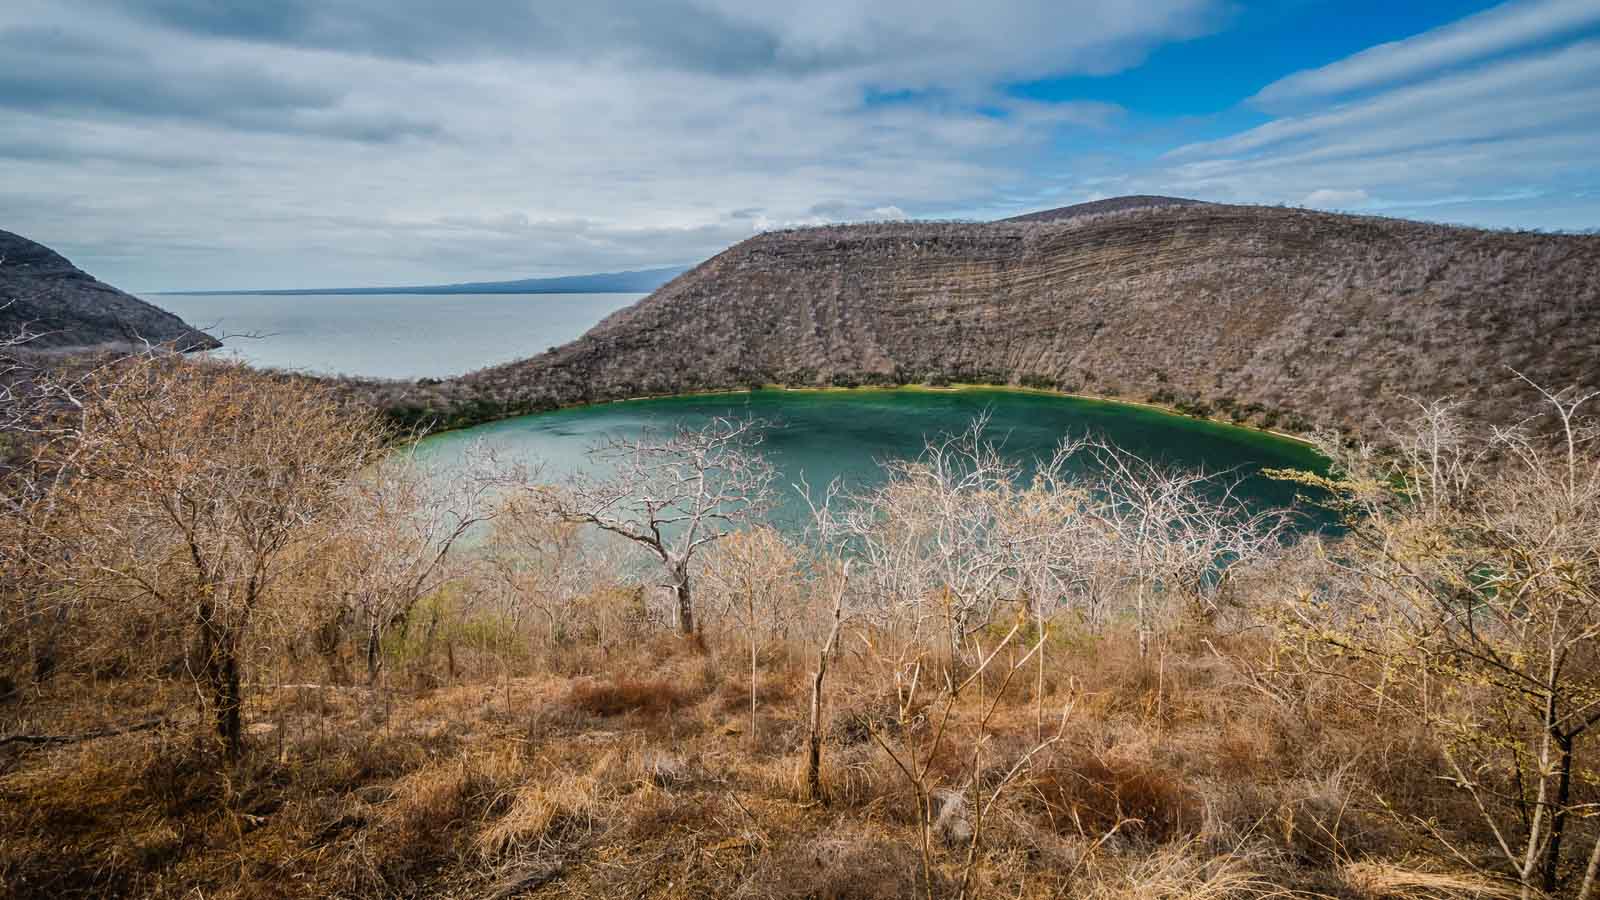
point(178, 144)
point(1254, 45)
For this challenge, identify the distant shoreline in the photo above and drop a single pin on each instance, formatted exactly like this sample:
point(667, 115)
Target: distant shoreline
point(379, 292)
point(641, 281)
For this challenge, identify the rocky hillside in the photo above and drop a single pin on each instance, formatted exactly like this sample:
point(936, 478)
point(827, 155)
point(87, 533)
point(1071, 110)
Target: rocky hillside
point(66, 307)
point(1275, 316)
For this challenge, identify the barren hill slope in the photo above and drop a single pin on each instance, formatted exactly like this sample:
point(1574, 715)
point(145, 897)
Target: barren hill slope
point(67, 307)
point(1273, 315)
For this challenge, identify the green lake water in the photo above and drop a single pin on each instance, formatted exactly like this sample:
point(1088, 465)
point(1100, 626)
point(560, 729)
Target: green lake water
point(822, 435)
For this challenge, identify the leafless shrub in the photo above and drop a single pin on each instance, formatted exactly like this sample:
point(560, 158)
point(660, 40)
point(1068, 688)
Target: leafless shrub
point(672, 494)
point(396, 537)
point(1469, 587)
point(182, 494)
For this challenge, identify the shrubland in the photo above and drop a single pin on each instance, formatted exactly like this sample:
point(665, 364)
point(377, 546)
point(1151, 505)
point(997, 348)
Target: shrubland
point(253, 647)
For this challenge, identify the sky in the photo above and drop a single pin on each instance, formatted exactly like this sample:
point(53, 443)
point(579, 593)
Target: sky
point(234, 144)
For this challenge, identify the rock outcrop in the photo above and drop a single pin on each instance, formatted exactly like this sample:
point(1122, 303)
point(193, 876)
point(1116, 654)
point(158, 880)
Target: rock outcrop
point(42, 292)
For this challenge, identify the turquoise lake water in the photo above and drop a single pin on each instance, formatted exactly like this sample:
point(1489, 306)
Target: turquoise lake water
point(821, 435)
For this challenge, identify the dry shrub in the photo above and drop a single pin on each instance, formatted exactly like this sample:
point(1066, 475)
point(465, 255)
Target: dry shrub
point(1090, 796)
point(853, 776)
point(1119, 681)
point(334, 761)
point(96, 820)
point(431, 802)
point(1237, 753)
point(654, 813)
point(1315, 822)
point(855, 717)
point(662, 769)
point(772, 688)
point(649, 697)
point(1318, 821)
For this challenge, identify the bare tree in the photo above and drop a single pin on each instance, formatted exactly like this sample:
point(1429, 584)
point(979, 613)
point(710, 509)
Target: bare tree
point(812, 784)
point(1470, 577)
point(672, 494)
point(926, 539)
point(546, 564)
point(1179, 533)
point(754, 569)
point(922, 729)
point(195, 487)
point(403, 524)
point(958, 533)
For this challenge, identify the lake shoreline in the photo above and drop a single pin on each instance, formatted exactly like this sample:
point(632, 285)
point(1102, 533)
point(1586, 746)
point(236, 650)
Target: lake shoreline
point(821, 435)
point(953, 388)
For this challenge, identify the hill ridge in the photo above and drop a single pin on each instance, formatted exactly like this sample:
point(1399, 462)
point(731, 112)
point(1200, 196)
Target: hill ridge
point(1107, 205)
point(1268, 315)
point(43, 292)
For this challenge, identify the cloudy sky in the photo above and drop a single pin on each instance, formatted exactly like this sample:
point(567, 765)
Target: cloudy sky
point(189, 144)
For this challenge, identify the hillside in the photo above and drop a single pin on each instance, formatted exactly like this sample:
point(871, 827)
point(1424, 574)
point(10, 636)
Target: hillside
point(1275, 316)
point(67, 307)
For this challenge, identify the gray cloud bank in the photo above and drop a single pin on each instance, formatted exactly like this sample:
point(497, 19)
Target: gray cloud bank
point(177, 144)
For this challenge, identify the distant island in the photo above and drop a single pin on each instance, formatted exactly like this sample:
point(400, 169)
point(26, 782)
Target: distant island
point(642, 281)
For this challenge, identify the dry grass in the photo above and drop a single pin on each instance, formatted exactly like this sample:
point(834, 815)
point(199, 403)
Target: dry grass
point(1169, 782)
point(627, 695)
point(1394, 882)
point(1090, 796)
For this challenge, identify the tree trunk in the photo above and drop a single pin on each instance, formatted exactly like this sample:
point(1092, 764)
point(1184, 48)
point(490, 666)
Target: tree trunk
point(1558, 820)
point(372, 652)
point(43, 630)
point(814, 745)
point(1144, 624)
point(1592, 874)
point(229, 703)
point(680, 591)
point(751, 597)
point(1541, 809)
point(221, 672)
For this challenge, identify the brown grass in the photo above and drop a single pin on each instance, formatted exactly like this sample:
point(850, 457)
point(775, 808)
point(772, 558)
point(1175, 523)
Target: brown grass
point(1090, 796)
point(1169, 784)
point(627, 695)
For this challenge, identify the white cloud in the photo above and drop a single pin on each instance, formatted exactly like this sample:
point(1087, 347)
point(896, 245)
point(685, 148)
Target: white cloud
point(1505, 142)
point(360, 141)
point(1488, 100)
point(1505, 27)
point(231, 143)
